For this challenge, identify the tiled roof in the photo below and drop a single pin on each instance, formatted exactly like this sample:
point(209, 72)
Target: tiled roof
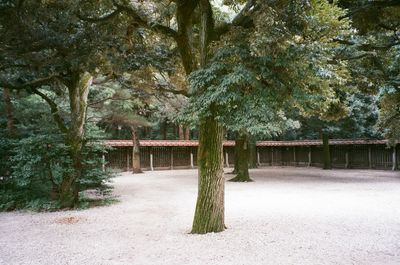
point(182, 143)
point(319, 142)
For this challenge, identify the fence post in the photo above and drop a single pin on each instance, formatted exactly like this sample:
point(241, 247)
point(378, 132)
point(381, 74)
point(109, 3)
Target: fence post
point(172, 158)
point(394, 163)
point(294, 155)
point(347, 158)
point(191, 159)
point(227, 159)
point(369, 157)
point(272, 156)
point(309, 156)
point(127, 159)
point(258, 158)
point(151, 159)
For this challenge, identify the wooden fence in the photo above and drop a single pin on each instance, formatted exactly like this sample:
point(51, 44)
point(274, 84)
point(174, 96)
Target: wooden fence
point(357, 154)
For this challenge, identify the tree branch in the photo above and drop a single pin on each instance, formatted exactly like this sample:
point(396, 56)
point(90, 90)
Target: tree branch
point(53, 108)
point(134, 15)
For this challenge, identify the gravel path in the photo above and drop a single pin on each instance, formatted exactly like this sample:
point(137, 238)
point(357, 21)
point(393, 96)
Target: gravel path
point(287, 216)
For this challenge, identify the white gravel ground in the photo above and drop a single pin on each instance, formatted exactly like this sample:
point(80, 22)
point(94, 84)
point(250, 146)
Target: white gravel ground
point(287, 216)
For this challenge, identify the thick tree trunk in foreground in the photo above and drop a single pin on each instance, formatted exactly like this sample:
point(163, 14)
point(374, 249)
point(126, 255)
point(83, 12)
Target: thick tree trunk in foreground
point(135, 151)
point(209, 214)
point(78, 95)
point(8, 110)
point(242, 158)
point(327, 155)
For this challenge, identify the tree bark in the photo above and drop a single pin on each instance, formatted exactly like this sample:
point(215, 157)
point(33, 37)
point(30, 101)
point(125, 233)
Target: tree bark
point(164, 130)
point(78, 95)
point(327, 155)
point(187, 133)
point(209, 214)
point(242, 158)
point(135, 151)
point(8, 111)
point(181, 132)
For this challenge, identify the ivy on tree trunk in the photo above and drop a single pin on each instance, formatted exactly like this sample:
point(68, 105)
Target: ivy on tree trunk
point(78, 95)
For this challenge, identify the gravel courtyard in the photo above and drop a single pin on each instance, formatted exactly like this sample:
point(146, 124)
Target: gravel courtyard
point(287, 216)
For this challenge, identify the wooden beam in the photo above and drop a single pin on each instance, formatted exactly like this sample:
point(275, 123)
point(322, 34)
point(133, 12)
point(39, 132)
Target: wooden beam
point(294, 155)
point(172, 158)
point(151, 161)
point(191, 160)
point(272, 156)
point(227, 159)
point(127, 159)
point(394, 162)
point(369, 157)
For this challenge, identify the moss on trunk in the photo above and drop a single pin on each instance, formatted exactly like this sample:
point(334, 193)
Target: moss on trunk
point(78, 95)
point(209, 214)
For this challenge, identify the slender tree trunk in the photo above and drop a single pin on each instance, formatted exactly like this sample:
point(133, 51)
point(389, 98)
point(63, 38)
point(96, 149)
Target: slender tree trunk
point(237, 150)
point(242, 158)
point(8, 110)
point(135, 151)
point(164, 130)
point(327, 155)
point(181, 132)
point(187, 133)
point(78, 94)
point(209, 214)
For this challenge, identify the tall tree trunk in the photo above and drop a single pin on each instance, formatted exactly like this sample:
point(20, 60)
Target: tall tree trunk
point(181, 132)
point(209, 214)
point(8, 110)
point(187, 133)
point(135, 151)
point(210, 210)
point(327, 155)
point(78, 95)
point(242, 158)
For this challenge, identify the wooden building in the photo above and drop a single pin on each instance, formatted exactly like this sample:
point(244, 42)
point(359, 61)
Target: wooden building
point(175, 154)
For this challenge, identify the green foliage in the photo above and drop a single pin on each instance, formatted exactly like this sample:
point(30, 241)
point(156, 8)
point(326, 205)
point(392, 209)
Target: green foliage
point(39, 159)
point(288, 62)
